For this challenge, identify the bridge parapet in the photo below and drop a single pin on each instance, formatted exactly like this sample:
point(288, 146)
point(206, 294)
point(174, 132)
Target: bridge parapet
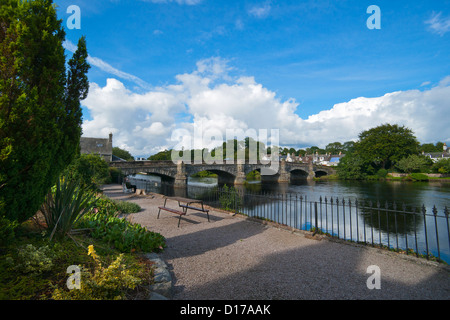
point(226, 171)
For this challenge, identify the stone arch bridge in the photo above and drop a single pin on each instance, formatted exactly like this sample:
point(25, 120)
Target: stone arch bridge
point(234, 173)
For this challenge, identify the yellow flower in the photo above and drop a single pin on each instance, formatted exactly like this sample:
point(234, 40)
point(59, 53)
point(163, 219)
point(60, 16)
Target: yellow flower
point(93, 254)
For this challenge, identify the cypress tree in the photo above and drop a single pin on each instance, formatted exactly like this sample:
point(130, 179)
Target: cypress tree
point(40, 113)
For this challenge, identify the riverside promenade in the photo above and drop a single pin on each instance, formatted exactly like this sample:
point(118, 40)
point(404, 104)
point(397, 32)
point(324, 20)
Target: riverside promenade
point(235, 258)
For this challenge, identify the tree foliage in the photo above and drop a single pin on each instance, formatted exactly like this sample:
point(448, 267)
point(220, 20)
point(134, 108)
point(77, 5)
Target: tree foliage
point(413, 163)
point(123, 154)
point(40, 114)
point(90, 170)
point(385, 145)
point(379, 148)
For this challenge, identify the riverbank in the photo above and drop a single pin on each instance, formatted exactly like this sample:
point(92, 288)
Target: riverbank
point(415, 177)
point(232, 257)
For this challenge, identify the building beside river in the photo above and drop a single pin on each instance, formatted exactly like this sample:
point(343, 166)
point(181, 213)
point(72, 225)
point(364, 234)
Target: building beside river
point(100, 146)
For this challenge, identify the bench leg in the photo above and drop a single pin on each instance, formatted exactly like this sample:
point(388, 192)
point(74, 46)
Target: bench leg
point(159, 213)
point(179, 220)
point(207, 212)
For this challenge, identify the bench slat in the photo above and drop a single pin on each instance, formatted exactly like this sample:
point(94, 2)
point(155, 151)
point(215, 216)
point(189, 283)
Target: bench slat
point(173, 210)
point(194, 208)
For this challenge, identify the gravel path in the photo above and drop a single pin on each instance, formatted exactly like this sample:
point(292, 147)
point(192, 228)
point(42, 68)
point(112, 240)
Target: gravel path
point(235, 258)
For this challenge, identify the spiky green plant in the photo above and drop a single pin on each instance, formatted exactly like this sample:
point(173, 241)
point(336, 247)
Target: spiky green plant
point(64, 206)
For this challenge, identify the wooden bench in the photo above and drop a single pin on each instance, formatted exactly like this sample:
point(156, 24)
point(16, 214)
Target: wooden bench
point(184, 206)
point(181, 213)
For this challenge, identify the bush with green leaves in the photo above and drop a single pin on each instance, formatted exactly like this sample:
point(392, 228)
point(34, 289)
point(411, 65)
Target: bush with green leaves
point(122, 234)
point(441, 166)
point(31, 259)
point(229, 198)
point(125, 236)
point(91, 170)
point(417, 177)
point(7, 231)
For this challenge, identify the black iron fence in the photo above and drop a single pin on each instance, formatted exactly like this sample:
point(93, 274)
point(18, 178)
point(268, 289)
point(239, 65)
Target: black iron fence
point(412, 230)
point(419, 231)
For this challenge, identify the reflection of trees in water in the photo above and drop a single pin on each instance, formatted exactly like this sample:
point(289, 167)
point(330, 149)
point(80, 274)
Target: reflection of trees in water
point(391, 218)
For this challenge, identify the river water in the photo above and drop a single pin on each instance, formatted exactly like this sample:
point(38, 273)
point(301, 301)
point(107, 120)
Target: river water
point(410, 230)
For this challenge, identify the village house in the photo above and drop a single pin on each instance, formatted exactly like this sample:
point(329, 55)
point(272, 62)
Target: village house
point(436, 156)
point(100, 146)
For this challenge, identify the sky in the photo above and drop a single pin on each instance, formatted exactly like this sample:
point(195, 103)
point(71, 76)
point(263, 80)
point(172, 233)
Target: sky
point(316, 71)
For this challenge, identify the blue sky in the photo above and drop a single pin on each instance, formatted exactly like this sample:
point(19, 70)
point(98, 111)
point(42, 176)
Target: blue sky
point(315, 62)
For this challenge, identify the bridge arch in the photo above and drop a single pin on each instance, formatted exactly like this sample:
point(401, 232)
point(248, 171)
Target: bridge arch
point(224, 175)
point(320, 172)
point(165, 177)
point(298, 174)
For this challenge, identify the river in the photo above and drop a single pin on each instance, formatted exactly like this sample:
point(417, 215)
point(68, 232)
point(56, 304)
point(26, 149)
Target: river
point(413, 194)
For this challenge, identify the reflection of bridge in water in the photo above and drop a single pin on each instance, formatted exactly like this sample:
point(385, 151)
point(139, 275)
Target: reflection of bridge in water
point(283, 172)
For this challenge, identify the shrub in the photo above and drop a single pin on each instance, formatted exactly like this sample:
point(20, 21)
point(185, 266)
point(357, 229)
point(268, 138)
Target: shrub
point(417, 177)
point(382, 173)
point(122, 234)
point(107, 206)
point(127, 207)
point(229, 198)
point(33, 260)
point(7, 231)
point(104, 283)
point(441, 166)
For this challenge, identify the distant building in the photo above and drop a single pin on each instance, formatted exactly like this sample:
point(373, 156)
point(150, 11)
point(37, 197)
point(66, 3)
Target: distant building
point(436, 156)
point(100, 146)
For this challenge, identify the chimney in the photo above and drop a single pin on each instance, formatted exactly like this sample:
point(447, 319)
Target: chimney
point(110, 137)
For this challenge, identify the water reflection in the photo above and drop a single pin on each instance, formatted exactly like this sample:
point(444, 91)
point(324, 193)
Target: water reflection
point(413, 195)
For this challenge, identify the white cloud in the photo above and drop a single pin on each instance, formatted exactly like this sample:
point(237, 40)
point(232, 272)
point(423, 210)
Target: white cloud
point(210, 99)
point(260, 11)
point(104, 66)
point(438, 25)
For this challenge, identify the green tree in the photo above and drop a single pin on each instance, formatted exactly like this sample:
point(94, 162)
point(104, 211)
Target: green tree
point(352, 167)
point(40, 114)
point(90, 170)
point(383, 146)
point(162, 155)
point(412, 163)
point(123, 154)
point(429, 147)
point(348, 146)
point(334, 147)
point(441, 166)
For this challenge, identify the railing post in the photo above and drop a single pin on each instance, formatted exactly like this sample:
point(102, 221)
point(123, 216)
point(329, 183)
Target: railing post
point(424, 211)
point(316, 222)
point(437, 235)
point(448, 229)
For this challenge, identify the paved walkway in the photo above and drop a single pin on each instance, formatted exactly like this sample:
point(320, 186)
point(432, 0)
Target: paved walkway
point(235, 258)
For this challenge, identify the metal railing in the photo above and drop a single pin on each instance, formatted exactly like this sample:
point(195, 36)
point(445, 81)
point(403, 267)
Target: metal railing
point(396, 227)
point(412, 230)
